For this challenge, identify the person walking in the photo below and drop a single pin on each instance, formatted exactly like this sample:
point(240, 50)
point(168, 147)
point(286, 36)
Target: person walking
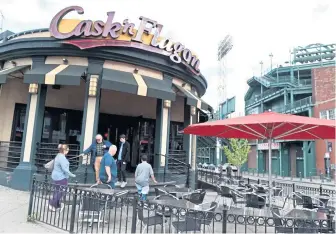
point(108, 168)
point(97, 149)
point(60, 175)
point(142, 173)
point(122, 159)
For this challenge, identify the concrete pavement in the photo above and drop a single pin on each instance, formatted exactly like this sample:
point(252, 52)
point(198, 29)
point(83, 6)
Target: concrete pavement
point(13, 214)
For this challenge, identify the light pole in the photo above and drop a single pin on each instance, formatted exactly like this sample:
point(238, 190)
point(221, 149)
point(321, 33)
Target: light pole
point(271, 57)
point(261, 67)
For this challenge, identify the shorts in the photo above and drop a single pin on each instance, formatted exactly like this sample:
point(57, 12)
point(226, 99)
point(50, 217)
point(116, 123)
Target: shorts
point(142, 189)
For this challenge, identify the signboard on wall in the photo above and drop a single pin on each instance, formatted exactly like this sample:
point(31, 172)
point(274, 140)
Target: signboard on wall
point(87, 34)
point(264, 146)
point(228, 107)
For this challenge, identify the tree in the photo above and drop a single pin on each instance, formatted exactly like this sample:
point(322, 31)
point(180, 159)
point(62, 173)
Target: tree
point(237, 152)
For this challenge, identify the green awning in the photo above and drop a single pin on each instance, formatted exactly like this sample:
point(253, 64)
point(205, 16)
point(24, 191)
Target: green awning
point(55, 74)
point(193, 100)
point(137, 84)
point(119, 81)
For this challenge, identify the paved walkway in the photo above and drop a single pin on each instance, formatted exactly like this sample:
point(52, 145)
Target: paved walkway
point(13, 214)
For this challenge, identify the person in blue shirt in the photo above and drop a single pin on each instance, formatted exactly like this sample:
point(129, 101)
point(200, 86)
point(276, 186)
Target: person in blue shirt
point(97, 149)
point(60, 175)
point(108, 168)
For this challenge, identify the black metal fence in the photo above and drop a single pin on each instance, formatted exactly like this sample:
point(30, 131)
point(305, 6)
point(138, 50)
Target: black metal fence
point(214, 178)
point(84, 210)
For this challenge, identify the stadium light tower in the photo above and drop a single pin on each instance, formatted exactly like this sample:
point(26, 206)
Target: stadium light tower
point(224, 48)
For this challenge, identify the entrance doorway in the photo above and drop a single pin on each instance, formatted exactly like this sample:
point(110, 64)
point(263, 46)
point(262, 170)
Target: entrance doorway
point(139, 133)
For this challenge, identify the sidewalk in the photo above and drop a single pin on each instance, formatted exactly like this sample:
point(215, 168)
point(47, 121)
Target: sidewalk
point(13, 214)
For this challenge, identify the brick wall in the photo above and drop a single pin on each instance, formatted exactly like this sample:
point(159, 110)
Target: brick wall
point(323, 84)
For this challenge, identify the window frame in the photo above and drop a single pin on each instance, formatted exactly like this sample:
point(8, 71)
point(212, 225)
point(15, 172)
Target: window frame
point(325, 114)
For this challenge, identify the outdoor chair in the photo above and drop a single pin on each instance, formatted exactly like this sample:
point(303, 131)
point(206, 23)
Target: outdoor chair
point(224, 192)
point(238, 198)
point(93, 205)
point(209, 216)
point(165, 197)
point(196, 197)
point(331, 205)
point(311, 202)
point(278, 222)
point(92, 208)
point(297, 199)
point(195, 219)
point(254, 201)
point(149, 221)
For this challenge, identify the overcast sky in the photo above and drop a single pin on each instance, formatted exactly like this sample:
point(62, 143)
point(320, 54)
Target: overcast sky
point(257, 27)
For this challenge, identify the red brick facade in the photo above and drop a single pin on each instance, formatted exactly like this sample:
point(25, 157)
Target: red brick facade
point(252, 157)
point(323, 84)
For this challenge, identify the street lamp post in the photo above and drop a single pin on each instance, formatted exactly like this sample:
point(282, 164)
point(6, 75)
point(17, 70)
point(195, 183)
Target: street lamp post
point(271, 57)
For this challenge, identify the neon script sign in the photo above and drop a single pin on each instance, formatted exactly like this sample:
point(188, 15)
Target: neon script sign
point(101, 32)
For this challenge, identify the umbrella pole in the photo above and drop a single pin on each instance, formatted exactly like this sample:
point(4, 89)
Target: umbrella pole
point(270, 172)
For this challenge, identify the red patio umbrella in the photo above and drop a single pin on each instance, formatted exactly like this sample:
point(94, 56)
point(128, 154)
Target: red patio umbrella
point(267, 125)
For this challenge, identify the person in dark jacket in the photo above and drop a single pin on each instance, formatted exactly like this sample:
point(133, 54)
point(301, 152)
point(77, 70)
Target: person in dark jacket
point(229, 171)
point(97, 149)
point(123, 157)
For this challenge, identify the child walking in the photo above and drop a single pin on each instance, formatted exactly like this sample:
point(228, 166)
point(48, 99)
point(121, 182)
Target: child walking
point(142, 173)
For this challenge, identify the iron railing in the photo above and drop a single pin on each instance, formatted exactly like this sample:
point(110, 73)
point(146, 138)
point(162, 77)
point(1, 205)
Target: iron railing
point(305, 82)
point(10, 155)
point(46, 152)
point(213, 177)
point(295, 106)
point(175, 170)
point(120, 211)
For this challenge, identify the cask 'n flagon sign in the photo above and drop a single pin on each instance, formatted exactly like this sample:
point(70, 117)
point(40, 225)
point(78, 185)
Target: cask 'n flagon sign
point(89, 34)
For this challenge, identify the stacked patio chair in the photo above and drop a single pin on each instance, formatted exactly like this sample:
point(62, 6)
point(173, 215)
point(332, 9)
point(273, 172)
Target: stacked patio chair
point(224, 192)
point(254, 201)
point(149, 221)
point(93, 206)
point(196, 197)
point(195, 219)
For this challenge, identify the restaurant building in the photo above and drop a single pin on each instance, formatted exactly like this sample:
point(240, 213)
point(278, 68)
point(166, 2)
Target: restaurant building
point(68, 82)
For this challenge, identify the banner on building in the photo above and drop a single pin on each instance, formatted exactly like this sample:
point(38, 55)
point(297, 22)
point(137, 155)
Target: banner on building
point(264, 146)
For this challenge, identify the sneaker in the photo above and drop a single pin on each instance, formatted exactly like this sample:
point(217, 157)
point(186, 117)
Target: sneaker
point(51, 208)
point(62, 207)
point(118, 183)
point(123, 184)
